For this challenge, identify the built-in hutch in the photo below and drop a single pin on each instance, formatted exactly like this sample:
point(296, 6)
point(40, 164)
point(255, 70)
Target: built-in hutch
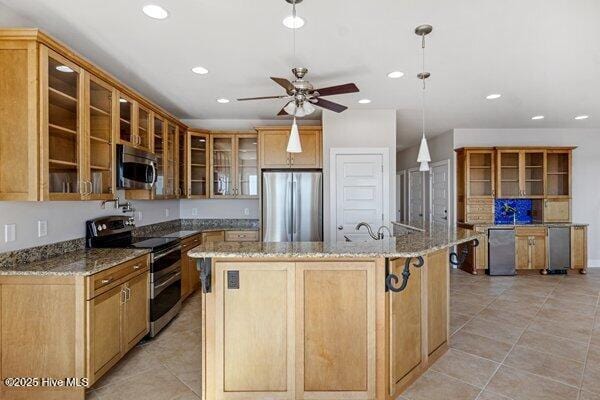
point(540, 174)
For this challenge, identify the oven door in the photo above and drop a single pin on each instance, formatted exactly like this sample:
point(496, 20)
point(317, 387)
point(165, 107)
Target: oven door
point(165, 294)
point(135, 169)
point(165, 262)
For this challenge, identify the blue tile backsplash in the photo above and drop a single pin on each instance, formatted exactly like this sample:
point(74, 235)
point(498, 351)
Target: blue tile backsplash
point(523, 207)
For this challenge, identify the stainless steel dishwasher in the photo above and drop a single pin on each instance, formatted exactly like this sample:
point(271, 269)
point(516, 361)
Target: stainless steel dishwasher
point(559, 249)
point(501, 251)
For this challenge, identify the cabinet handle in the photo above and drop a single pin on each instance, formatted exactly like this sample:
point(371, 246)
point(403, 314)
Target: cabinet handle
point(123, 297)
point(105, 281)
point(127, 293)
point(91, 188)
point(136, 266)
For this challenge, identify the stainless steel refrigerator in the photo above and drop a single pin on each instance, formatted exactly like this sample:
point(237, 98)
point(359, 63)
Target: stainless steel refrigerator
point(292, 206)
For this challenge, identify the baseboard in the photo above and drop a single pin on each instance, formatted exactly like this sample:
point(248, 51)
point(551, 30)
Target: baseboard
point(593, 263)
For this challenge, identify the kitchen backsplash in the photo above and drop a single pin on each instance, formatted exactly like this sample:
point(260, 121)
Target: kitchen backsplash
point(524, 213)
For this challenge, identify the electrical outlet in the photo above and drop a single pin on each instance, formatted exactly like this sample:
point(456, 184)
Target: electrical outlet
point(166, 212)
point(194, 211)
point(42, 228)
point(246, 211)
point(140, 216)
point(10, 232)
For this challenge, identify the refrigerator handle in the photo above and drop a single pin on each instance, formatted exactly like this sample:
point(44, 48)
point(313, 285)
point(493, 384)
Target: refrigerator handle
point(288, 210)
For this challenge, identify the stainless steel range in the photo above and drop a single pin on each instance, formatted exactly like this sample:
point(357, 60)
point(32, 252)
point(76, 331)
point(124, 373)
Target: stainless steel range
point(165, 263)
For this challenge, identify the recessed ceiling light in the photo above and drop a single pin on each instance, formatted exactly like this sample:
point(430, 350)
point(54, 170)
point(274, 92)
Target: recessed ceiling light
point(395, 74)
point(537, 117)
point(64, 68)
point(122, 100)
point(579, 117)
point(293, 22)
point(154, 11)
point(199, 70)
point(222, 100)
point(364, 101)
point(493, 96)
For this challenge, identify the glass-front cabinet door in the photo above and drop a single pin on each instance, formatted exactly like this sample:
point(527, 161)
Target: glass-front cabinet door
point(509, 176)
point(222, 166)
point(480, 176)
point(127, 134)
point(63, 152)
point(171, 159)
point(142, 139)
point(182, 146)
point(558, 166)
point(246, 166)
point(99, 144)
point(159, 147)
point(532, 167)
point(198, 165)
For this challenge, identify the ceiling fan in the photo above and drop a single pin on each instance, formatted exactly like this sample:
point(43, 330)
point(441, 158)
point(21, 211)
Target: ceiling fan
point(301, 95)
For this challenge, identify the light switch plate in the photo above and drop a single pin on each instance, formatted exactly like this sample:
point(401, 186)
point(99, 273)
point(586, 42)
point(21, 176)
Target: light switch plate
point(246, 211)
point(42, 228)
point(10, 232)
point(194, 211)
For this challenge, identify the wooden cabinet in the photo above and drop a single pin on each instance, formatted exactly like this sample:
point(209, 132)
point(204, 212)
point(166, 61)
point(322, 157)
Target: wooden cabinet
point(579, 253)
point(233, 165)
point(106, 314)
point(476, 185)
point(438, 287)
point(197, 168)
point(557, 210)
point(216, 236)
point(255, 355)
point(182, 162)
point(405, 324)
point(170, 158)
point(241, 236)
point(136, 314)
point(509, 175)
point(61, 119)
point(273, 148)
point(531, 248)
point(190, 278)
point(558, 173)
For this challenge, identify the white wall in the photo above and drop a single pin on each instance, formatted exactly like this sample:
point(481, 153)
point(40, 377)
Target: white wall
point(586, 166)
point(358, 129)
point(66, 219)
point(441, 148)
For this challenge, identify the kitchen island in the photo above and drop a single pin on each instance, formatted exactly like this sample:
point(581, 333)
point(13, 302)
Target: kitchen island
point(317, 320)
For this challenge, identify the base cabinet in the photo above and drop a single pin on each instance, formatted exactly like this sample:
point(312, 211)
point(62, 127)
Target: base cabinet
point(579, 254)
point(531, 244)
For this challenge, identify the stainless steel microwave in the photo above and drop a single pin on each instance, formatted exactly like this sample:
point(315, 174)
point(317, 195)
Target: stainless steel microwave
point(136, 169)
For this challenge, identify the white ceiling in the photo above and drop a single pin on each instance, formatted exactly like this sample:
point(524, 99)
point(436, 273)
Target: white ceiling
point(543, 56)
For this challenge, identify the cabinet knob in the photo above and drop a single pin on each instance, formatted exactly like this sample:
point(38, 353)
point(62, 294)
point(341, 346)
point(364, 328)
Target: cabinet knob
point(136, 266)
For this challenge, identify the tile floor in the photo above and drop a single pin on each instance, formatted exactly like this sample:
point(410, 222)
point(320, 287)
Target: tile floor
point(514, 338)
point(528, 337)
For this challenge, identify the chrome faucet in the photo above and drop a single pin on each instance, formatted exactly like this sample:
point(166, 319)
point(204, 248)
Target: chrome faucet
point(127, 207)
point(379, 234)
point(507, 208)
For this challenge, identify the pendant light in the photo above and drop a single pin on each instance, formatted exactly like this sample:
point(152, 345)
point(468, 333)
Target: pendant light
point(424, 158)
point(294, 145)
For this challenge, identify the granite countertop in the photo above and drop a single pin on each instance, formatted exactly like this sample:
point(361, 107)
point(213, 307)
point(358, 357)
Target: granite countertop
point(413, 245)
point(78, 262)
point(533, 225)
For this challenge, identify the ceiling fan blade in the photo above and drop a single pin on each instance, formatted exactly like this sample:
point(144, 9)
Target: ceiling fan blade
point(330, 105)
point(287, 85)
point(339, 89)
point(262, 98)
point(283, 112)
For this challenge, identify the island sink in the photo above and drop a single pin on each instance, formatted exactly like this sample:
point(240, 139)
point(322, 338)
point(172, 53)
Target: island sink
point(316, 320)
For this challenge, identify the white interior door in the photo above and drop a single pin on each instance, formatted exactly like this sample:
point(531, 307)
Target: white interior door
point(400, 194)
point(358, 194)
point(440, 197)
point(415, 198)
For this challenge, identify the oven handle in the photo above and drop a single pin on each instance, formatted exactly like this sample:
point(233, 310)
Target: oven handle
point(157, 289)
point(161, 255)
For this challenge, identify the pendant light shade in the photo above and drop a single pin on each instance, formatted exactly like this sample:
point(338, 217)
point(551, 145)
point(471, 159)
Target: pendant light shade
point(294, 145)
point(424, 155)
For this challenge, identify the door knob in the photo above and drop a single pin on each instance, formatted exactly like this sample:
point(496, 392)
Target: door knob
point(340, 227)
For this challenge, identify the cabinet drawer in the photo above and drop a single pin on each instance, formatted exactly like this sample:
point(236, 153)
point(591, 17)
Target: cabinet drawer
point(479, 208)
point(241, 236)
point(481, 202)
point(217, 236)
point(533, 231)
point(557, 210)
point(104, 280)
point(192, 242)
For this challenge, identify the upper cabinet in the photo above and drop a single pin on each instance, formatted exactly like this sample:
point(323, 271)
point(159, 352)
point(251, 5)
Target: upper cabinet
point(171, 160)
point(182, 174)
point(197, 168)
point(234, 165)
point(273, 148)
point(61, 119)
point(539, 174)
point(159, 149)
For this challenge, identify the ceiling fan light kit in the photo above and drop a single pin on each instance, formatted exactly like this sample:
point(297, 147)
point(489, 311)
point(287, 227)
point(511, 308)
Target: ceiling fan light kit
point(423, 158)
